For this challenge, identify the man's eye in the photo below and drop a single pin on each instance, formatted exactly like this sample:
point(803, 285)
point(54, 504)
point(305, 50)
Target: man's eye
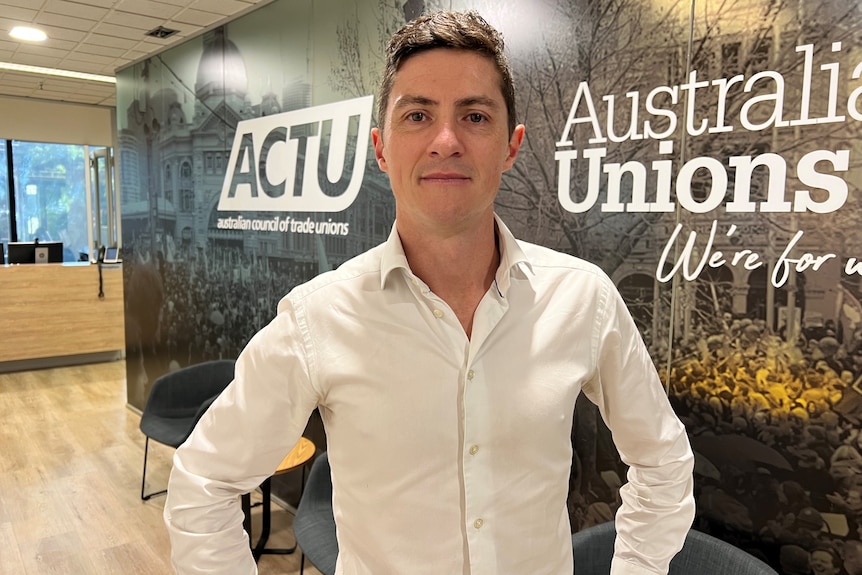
point(416, 116)
point(476, 117)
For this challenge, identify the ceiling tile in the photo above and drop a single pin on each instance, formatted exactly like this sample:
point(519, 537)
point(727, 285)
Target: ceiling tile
point(75, 9)
point(101, 50)
point(20, 79)
point(101, 3)
point(32, 4)
point(67, 22)
point(196, 17)
point(20, 14)
point(174, 3)
point(112, 41)
point(135, 55)
point(51, 95)
point(148, 8)
point(134, 21)
point(119, 31)
point(91, 64)
point(34, 60)
point(65, 45)
point(154, 44)
point(42, 51)
point(97, 94)
point(223, 7)
point(55, 33)
point(57, 82)
point(88, 99)
point(16, 91)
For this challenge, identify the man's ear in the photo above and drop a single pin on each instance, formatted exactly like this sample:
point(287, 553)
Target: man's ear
point(377, 141)
point(514, 145)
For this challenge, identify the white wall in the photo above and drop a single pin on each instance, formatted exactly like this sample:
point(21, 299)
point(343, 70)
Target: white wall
point(47, 121)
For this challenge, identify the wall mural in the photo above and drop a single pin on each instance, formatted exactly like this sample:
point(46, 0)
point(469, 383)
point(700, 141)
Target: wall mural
point(705, 155)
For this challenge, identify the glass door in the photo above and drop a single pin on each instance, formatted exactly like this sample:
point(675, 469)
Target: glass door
point(105, 222)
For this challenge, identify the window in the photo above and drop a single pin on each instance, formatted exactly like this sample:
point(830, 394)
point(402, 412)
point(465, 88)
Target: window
point(44, 195)
point(50, 194)
point(758, 58)
point(169, 184)
point(187, 196)
point(702, 59)
point(5, 232)
point(187, 201)
point(730, 65)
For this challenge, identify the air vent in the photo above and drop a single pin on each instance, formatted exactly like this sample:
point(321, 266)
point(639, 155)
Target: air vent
point(161, 32)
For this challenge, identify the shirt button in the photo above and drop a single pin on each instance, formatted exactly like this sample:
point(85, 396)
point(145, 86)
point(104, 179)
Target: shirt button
point(478, 524)
point(438, 313)
point(415, 282)
point(470, 375)
point(474, 449)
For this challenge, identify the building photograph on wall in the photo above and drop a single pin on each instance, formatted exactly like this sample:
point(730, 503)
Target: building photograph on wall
point(704, 154)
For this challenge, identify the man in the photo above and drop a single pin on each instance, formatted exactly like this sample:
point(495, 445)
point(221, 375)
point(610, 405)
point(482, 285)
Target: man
point(824, 561)
point(445, 364)
point(853, 557)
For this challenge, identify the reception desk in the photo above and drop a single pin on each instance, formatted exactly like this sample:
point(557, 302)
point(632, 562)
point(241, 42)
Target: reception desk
point(53, 314)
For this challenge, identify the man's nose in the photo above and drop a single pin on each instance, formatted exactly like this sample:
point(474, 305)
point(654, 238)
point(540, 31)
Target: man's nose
point(446, 141)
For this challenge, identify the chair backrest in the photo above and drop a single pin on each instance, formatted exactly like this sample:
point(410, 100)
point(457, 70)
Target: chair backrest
point(181, 393)
point(314, 524)
point(701, 554)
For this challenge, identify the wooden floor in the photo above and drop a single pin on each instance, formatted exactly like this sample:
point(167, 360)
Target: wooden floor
point(70, 479)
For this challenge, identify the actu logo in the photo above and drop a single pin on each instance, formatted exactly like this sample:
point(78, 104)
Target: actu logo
point(309, 160)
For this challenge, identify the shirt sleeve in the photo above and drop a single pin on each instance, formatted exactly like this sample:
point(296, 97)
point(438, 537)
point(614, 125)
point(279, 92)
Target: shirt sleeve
point(235, 446)
point(657, 501)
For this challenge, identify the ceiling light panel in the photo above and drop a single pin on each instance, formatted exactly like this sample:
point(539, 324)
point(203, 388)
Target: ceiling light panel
point(27, 34)
point(57, 72)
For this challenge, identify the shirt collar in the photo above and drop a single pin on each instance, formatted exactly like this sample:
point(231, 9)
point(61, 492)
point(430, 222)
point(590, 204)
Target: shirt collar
point(511, 256)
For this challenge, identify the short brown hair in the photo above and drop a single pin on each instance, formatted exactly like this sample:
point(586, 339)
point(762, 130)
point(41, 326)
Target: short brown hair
point(458, 30)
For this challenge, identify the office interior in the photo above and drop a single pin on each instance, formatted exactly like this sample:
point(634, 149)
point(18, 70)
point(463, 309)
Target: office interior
point(703, 154)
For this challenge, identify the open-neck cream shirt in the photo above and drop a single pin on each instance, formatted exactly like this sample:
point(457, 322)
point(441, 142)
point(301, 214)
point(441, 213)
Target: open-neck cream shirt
point(449, 455)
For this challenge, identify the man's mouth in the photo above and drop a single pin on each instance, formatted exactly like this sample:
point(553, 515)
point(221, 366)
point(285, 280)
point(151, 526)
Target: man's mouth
point(445, 177)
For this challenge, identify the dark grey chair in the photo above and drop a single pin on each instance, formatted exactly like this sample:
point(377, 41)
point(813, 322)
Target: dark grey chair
point(701, 554)
point(177, 401)
point(314, 525)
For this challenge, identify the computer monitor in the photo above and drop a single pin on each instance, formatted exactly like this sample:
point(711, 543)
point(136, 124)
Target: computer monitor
point(31, 252)
point(112, 255)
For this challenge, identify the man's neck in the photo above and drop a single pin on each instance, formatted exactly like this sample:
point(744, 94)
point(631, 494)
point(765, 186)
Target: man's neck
point(459, 268)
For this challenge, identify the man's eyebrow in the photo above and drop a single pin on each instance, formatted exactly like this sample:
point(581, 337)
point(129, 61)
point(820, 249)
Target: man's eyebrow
point(410, 100)
point(413, 100)
point(482, 101)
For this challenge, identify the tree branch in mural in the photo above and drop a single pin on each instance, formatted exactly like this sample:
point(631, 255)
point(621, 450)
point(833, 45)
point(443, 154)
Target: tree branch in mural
point(361, 51)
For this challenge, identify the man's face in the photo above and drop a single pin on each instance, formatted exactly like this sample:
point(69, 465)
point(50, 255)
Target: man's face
point(446, 141)
point(853, 557)
point(821, 563)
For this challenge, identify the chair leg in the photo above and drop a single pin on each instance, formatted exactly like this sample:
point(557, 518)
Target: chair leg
point(144, 475)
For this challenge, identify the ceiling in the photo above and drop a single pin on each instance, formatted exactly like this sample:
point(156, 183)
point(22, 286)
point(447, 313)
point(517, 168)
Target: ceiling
point(97, 37)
